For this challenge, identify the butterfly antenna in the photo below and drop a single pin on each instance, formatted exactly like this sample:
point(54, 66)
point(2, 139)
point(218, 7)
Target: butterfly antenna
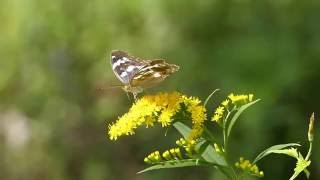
point(107, 88)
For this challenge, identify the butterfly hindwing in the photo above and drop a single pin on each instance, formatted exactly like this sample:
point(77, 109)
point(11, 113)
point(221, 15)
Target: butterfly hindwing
point(155, 72)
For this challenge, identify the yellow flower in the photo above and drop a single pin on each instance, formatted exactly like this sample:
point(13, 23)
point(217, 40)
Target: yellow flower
point(165, 117)
point(198, 115)
point(216, 117)
point(159, 108)
point(219, 110)
point(242, 98)
point(247, 166)
point(225, 103)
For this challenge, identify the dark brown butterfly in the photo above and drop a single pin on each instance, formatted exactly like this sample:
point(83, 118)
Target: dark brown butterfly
point(137, 74)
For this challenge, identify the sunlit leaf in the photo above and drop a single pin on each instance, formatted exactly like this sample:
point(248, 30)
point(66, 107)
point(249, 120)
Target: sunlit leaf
point(212, 156)
point(177, 164)
point(183, 129)
point(273, 149)
point(301, 165)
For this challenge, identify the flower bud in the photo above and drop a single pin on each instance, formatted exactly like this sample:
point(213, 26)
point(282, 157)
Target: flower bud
point(311, 128)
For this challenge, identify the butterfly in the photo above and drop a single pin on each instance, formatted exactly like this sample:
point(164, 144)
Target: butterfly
point(137, 74)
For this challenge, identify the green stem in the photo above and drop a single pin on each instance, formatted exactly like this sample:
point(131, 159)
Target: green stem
point(309, 152)
point(225, 143)
point(209, 134)
point(225, 140)
point(209, 97)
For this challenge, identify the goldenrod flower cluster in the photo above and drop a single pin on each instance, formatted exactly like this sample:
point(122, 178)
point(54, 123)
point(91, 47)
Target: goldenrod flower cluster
point(198, 115)
point(242, 98)
point(189, 146)
point(248, 167)
point(224, 106)
point(160, 108)
point(155, 157)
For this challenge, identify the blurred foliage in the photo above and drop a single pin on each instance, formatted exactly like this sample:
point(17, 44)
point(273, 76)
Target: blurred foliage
point(54, 54)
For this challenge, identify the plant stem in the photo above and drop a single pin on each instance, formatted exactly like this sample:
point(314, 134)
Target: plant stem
point(225, 140)
point(206, 130)
point(309, 152)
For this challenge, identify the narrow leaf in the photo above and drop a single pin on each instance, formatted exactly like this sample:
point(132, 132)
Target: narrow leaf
point(177, 164)
point(183, 129)
point(237, 114)
point(272, 149)
point(212, 156)
point(209, 97)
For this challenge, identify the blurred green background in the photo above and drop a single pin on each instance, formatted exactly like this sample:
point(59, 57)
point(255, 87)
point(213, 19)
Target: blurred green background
point(54, 54)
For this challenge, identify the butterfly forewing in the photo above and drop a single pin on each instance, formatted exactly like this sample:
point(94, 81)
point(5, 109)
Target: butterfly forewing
point(125, 66)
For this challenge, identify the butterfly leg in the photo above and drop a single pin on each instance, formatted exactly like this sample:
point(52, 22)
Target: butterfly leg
point(135, 96)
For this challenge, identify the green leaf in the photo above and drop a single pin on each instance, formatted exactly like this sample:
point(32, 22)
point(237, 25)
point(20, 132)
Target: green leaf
point(183, 129)
point(209, 97)
point(209, 154)
point(177, 164)
point(293, 152)
point(212, 156)
point(272, 149)
point(237, 114)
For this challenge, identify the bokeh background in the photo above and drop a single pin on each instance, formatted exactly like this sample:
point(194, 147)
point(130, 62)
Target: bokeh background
point(54, 54)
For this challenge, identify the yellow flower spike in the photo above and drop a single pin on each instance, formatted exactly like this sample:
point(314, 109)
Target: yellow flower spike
point(160, 108)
